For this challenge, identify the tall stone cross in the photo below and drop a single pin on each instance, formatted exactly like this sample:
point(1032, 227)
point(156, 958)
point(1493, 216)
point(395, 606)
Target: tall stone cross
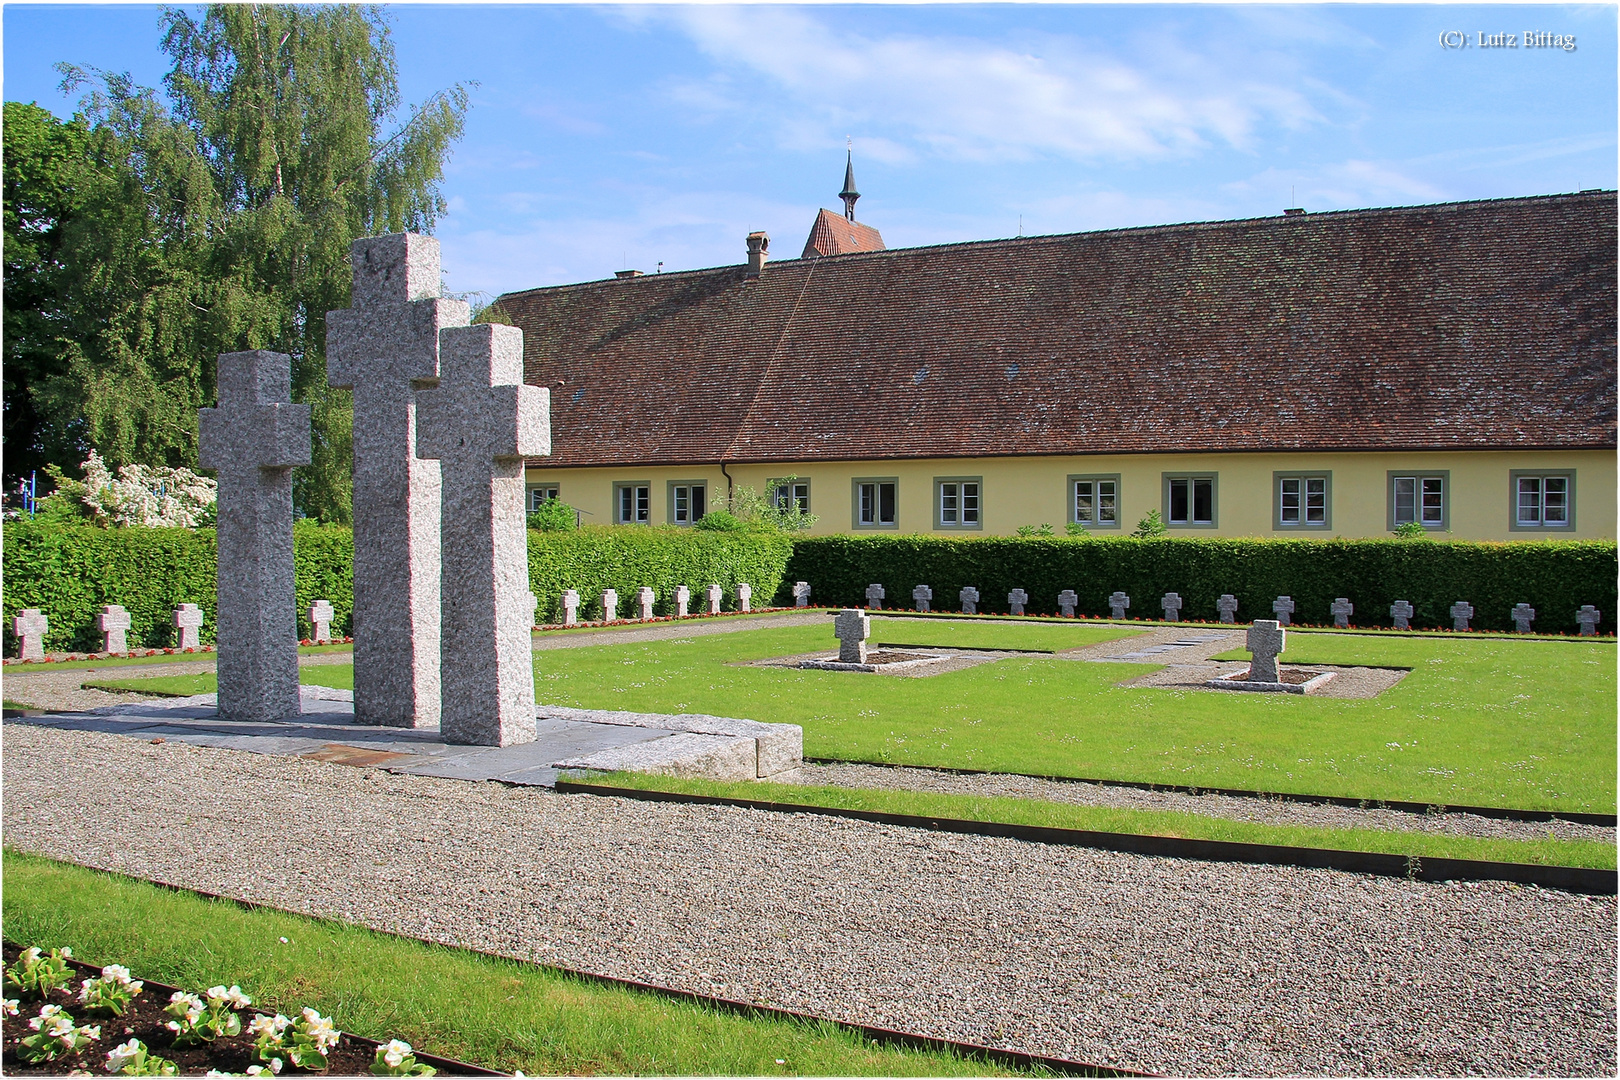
point(1588, 618)
point(713, 595)
point(188, 619)
point(1171, 603)
point(113, 622)
point(253, 438)
point(570, 603)
point(610, 605)
point(801, 594)
point(320, 620)
point(921, 597)
point(1016, 601)
point(1227, 605)
point(852, 627)
point(384, 348)
point(1461, 612)
point(1522, 615)
point(874, 596)
point(1265, 641)
point(1117, 603)
point(1341, 610)
point(970, 600)
point(645, 598)
point(745, 596)
point(1283, 607)
point(481, 422)
point(683, 600)
point(1067, 600)
point(1401, 611)
point(30, 625)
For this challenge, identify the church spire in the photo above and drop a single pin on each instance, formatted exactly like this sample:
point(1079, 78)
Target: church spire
point(849, 194)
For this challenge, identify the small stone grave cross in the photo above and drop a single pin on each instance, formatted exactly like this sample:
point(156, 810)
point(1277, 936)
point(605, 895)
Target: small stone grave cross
point(644, 601)
point(1402, 613)
point(970, 600)
point(320, 621)
point(30, 626)
point(745, 596)
point(570, 607)
point(1342, 609)
point(874, 596)
point(1461, 612)
point(852, 627)
point(1227, 605)
point(188, 618)
point(920, 596)
point(1283, 606)
point(683, 600)
point(1172, 605)
point(1588, 617)
point(713, 594)
point(1117, 603)
point(113, 622)
point(1522, 615)
point(1066, 603)
point(1265, 641)
point(610, 605)
point(1016, 601)
point(801, 594)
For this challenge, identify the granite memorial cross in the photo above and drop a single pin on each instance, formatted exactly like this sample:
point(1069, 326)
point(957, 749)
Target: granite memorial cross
point(481, 422)
point(253, 438)
point(1265, 641)
point(1066, 603)
point(970, 600)
point(320, 621)
point(382, 348)
point(644, 602)
point(1461, 612)
point(745, 596)
point(683, 600)
point(874, 596)
point(1171, 603)
point(920, 597)
point(1588, 617)
point(801, 594)
point(714, 592)
point(610, 605)
point(570, 603)
point(1522, 615)
point(30, 625)
point(188, 619)
point(1016, 601)
point(1341, 610)
point(1227, 605)
point(1283, 606)
point(1117, 603)
point(853, 626)
point(113, 622)
point(1402, 613)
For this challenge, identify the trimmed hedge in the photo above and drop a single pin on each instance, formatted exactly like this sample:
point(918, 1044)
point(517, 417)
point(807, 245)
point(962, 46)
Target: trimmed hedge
point(1554, 577)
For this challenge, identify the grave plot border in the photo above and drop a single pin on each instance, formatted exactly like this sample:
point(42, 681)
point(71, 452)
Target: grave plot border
point(1574, 879)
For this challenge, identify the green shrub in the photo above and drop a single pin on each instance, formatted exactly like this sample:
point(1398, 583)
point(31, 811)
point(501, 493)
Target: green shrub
point(554, 515)
point(721, 521)
point(1554, 577)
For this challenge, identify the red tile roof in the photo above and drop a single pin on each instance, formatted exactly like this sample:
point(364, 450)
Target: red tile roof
point(1480, 325)
point(834, 234)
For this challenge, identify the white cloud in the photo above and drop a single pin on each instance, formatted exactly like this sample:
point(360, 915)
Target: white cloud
point(1340, 185)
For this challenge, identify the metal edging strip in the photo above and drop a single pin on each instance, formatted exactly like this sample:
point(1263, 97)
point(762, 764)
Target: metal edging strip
point(1574, 879)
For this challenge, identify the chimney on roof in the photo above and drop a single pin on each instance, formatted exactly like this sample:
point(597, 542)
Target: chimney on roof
point(626, 273)
point(759, 246)
point(1293, 211)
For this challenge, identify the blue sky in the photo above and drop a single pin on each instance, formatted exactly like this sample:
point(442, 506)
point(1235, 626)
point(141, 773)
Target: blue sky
point(608, 137)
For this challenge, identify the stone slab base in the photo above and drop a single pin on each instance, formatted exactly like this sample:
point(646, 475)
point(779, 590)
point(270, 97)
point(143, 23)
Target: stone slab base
point(1236, 681)
point(839, 665)
point(769, 748)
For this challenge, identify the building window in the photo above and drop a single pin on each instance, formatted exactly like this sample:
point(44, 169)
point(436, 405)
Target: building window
point(632, 504)
point(793, 496)
point(1303, 500)
point(542, 494)
point(1189, 501)
point(958, 502)
point(876, 503)
point(1094, 501)
point(1418, 497)
point(1542, 500)
point(688, 501)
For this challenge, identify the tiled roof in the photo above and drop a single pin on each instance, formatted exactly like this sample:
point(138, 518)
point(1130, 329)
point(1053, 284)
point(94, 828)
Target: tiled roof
point(1481, 325)
point(834, 234)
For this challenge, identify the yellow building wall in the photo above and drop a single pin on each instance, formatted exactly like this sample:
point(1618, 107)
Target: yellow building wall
point(1035, 490)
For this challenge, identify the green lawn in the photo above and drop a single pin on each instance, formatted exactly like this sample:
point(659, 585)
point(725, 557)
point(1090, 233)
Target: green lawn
point(496, 1013)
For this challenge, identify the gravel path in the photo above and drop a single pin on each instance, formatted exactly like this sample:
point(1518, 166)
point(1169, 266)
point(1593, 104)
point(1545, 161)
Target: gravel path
point(62, 691)
point(1163, 965)
point(1237, 808)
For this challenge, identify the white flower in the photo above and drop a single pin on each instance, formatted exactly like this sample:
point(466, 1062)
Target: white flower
point(90, 1031)
point(235, 996)
point(395, 1052)
point(47, 1015)
point(118, 1056)
point(90, 986)
point(10, 1005)
point(219, 993)
point(268, 1025)
point(67, 952)
point(28, 956)
point(192, 1001)
point(116, 972)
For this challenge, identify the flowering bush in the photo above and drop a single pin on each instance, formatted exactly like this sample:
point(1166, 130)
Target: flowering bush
point(139, 495)
point(394, 1058)
point(35, 976)
point(133, 1059)
point(55, 1035)
point(196, 1021)
point(112, 992)
point(304, 1042)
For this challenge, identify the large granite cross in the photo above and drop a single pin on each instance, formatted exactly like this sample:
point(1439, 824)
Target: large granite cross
point(384, 348)
point(254, 438)
point(1227, 605)
point(970, 600)
point(1067, 599)
point(481, 422)
point(1016, 601)
point(745, 596)
point(852, 627)
point(188, 619)
point(1117, 603)
point(874, 596)
point(1342, 609)
point(1522, 615)
point(1461, 612)
point(1283, 606)
point(713, 595)
point(1171, 603)
point(801, 594)
point(1588, 617)
point(683, 600)
point(610, 605)
point(921, 596)
point(113, 622)
point(645, 598)
point(320, 621)
point(570, 604)
point(30, 625)
point(1402, 611)
point(1265, 641)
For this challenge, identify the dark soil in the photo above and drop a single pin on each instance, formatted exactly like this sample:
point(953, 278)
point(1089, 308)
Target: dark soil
point(889, 656)
point(144, 1020)
point(1292, 676)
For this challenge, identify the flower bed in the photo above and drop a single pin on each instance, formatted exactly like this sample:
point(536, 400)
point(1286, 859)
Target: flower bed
point(63, 1016)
